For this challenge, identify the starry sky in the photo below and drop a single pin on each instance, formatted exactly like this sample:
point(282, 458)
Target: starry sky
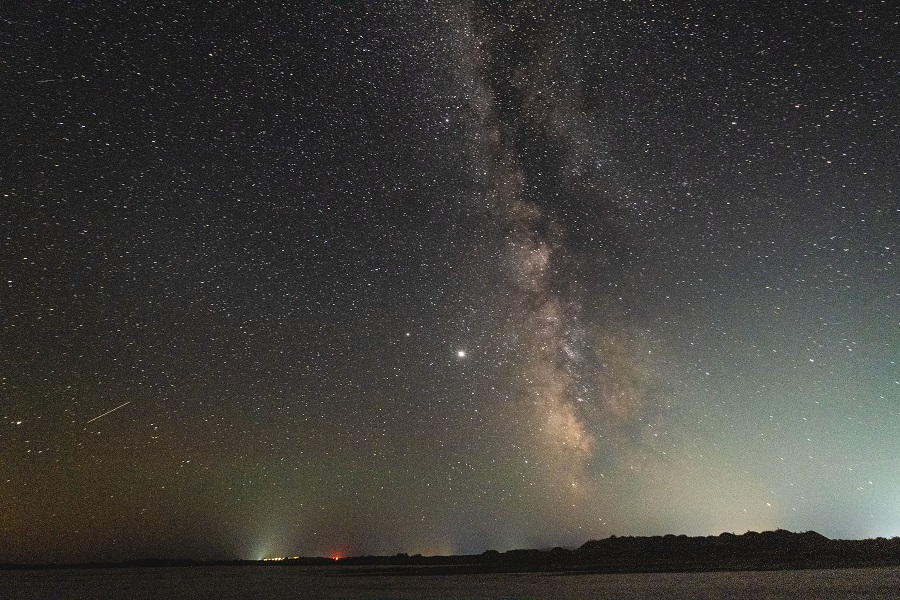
point(441, 276)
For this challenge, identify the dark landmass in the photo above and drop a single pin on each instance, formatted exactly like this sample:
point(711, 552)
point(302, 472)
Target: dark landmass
point(769, 550)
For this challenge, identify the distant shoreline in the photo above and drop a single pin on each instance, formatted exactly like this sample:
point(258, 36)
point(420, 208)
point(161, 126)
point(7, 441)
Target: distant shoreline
point(751, 551)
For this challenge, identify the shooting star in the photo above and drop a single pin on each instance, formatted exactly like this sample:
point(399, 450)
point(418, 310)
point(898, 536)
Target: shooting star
point(109, 411)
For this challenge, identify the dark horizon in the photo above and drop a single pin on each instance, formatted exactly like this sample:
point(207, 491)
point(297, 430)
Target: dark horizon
point(778, 549)
point(444, 276)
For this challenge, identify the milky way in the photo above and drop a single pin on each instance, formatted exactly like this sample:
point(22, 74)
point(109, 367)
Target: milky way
point(568, 385)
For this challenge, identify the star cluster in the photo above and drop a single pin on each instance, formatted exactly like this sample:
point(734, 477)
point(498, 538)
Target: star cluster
point(445, 276)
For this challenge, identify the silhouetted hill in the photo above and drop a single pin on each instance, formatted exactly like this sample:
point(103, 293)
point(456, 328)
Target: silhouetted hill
point(752, 550)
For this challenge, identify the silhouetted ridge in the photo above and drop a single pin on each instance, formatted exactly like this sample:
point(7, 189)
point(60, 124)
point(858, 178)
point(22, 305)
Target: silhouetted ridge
point(752, 550)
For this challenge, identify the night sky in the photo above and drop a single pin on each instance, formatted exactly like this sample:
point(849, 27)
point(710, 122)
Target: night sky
point(438, 276)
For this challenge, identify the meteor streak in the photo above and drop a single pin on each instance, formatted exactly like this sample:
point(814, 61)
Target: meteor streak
point(109, 411)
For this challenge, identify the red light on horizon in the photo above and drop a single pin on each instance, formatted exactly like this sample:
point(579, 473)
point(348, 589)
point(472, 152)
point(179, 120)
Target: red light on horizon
point(336, 557)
